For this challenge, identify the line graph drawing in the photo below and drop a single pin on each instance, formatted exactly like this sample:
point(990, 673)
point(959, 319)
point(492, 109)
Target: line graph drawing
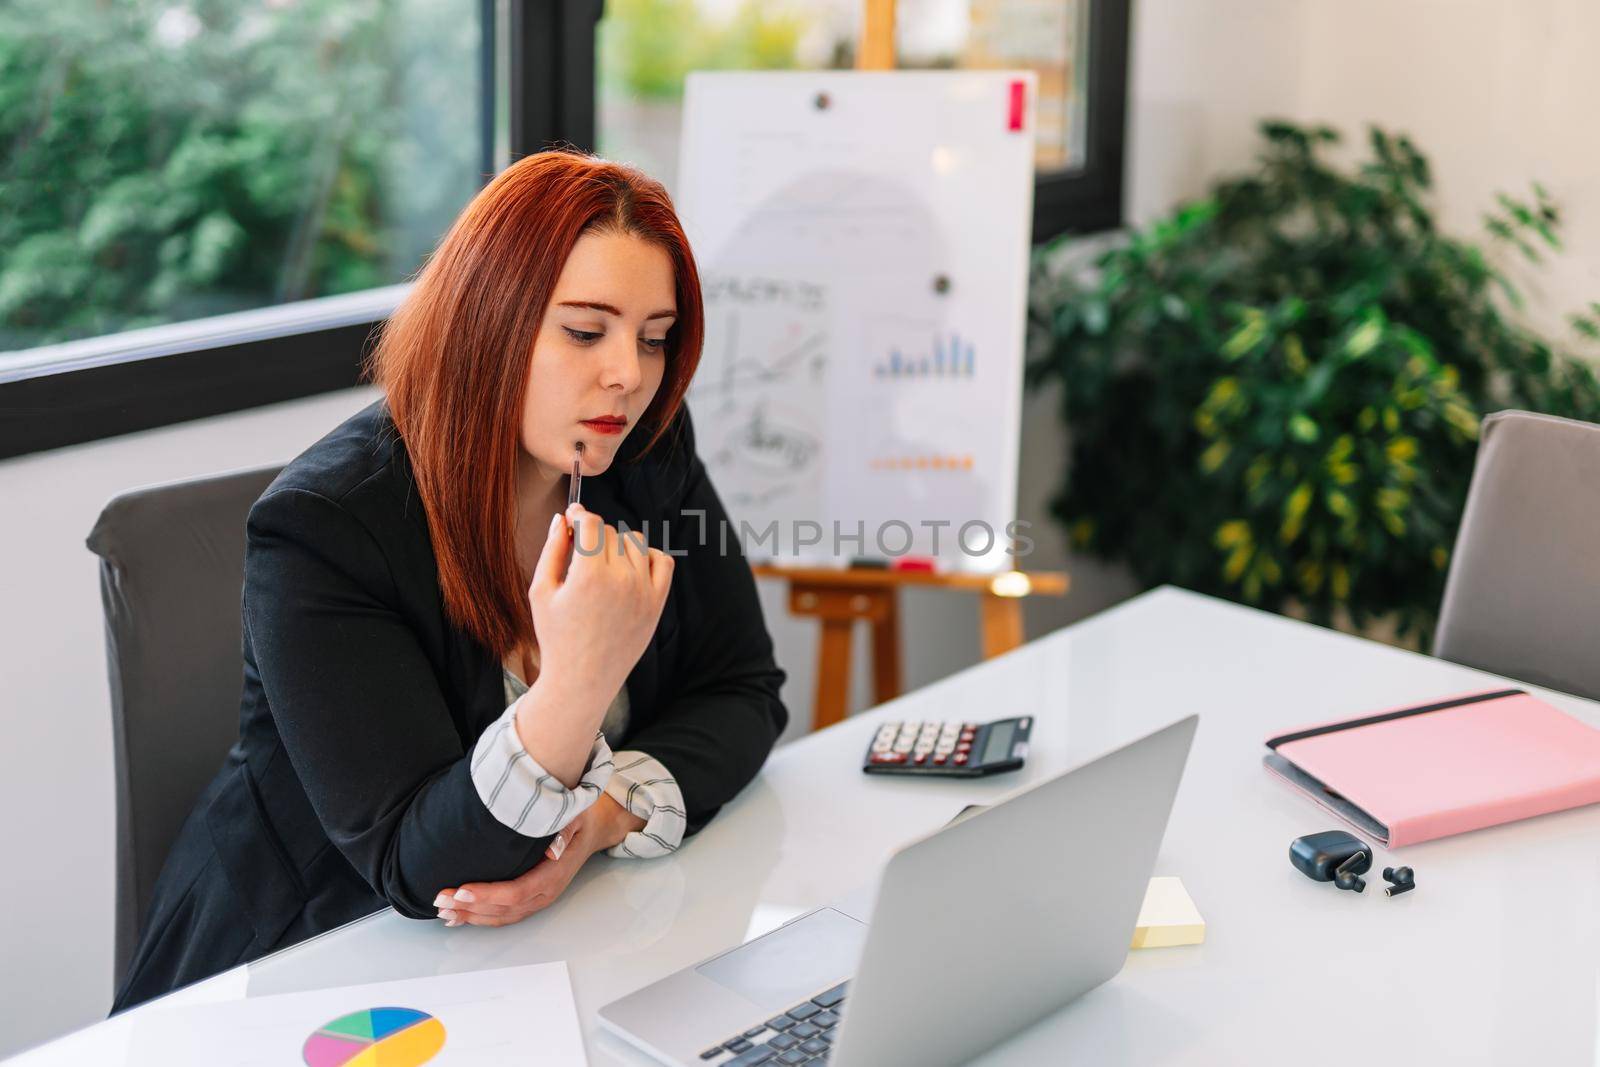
point(794, 351)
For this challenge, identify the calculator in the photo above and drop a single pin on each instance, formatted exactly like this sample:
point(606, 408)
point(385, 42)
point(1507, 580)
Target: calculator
point(948, 749)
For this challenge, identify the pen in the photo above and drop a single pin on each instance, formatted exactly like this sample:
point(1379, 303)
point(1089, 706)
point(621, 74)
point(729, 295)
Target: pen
point(577, 474)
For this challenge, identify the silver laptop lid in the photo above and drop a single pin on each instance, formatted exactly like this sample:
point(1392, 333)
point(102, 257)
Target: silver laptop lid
point(1044, 888)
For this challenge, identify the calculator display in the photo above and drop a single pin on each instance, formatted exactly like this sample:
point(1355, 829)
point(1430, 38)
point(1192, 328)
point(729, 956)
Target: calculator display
point(999, 744)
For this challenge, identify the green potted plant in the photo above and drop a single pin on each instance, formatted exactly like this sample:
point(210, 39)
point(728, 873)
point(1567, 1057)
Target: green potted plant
point(1273, 393)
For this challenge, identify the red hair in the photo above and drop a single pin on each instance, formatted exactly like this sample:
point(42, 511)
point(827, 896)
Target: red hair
point(453, 361)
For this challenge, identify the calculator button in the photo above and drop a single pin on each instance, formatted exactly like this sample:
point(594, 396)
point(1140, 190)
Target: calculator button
point(712, 1053)
point(814, 1046)
point(738, 1044)
point(803, 1011)
point(939, 760)
point(805, 1031)
point(920, 758)
point(944, 748)
point(780, 1022)
point(960, 758)
point(783, 1041)
point(792, 1057)
point(754, 1030)
point(826, 1020)
point(965, 746)
point(883, 746)
point(888, 757)
point(902, 747)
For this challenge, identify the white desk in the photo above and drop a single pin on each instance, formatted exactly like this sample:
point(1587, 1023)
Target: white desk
point(1495, 958)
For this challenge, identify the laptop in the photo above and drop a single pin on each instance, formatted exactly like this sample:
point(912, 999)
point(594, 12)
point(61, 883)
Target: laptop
point(979, 929)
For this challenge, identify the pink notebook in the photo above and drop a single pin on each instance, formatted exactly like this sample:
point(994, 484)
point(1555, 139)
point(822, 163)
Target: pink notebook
point(1413, 774)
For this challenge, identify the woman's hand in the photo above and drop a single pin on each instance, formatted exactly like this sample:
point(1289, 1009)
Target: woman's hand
point(593, 615)
point(596, 597)
point(602, 825)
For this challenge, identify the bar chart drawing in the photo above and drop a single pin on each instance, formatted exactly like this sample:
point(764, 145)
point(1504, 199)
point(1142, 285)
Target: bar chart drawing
point(951, 357)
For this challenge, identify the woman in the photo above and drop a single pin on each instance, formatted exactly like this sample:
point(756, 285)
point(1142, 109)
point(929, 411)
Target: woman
point(440, 658)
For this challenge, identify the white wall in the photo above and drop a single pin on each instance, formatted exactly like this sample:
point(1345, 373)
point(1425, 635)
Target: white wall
point(1498, 93)
point(55, 726)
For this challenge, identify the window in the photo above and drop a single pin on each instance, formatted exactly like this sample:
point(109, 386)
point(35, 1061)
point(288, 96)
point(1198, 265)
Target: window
point(169, 161)
point(647, 47)
point(210, 203)
point(1048, 36)
point(1079, 48)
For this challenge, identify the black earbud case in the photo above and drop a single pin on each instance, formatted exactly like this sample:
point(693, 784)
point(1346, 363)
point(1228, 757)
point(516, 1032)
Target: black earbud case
point(1318, 856)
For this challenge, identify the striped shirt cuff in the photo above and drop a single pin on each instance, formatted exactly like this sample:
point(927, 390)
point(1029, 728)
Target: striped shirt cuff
point(648, 790)
point(520, 793)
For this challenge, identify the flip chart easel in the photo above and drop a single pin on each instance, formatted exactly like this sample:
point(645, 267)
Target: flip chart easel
point(842, 597)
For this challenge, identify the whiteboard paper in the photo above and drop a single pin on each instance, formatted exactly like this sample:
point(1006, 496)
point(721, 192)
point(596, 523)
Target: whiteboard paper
point(863, 244)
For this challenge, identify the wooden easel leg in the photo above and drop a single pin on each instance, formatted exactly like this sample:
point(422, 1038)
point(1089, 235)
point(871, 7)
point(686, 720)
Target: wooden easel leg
point(833, 674)
point(1001, 622)
point(886, 677)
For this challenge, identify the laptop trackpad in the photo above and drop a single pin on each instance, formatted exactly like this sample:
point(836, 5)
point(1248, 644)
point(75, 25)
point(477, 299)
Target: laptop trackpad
point(793, 962)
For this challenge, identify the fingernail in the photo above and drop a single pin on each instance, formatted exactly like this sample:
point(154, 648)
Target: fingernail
point(555, 522)
point(453, 922)
point(448, 916)
point(558, 845)
point(443, 900)
point(465, 896)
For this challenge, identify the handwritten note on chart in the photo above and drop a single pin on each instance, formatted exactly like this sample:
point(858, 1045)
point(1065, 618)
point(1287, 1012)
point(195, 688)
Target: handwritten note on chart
point(864, 266)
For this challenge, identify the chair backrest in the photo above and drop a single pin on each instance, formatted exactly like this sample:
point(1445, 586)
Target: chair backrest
point(1523, 594)
point(171, 573)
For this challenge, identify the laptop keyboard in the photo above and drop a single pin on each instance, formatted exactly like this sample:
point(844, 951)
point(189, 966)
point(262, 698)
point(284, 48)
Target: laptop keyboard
point(803, 1034)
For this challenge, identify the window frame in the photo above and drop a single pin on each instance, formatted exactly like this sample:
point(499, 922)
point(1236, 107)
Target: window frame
point(1089, 200)
point(138, 380)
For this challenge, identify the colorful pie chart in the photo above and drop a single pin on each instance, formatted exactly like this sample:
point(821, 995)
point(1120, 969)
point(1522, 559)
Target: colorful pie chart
point(377, 1037)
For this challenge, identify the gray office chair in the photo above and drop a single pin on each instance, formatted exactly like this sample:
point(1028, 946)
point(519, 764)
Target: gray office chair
point(171, 571)
point(1523, 594)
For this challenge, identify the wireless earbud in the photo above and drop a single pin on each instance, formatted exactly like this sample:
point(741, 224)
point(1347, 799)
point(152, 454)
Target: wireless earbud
point(1404, 881)
point(1348, 874)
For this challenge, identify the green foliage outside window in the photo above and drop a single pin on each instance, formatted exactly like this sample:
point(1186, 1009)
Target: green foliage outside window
point(1273, 393)
point(162, 161)
point(649, 46)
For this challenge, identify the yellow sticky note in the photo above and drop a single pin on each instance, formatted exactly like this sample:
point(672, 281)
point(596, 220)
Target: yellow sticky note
point(1168, 917)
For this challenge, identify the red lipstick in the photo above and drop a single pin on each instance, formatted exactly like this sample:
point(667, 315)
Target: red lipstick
point(607, 424)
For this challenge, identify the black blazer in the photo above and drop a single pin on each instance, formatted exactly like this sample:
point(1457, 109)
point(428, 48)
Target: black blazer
point(349, 788)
